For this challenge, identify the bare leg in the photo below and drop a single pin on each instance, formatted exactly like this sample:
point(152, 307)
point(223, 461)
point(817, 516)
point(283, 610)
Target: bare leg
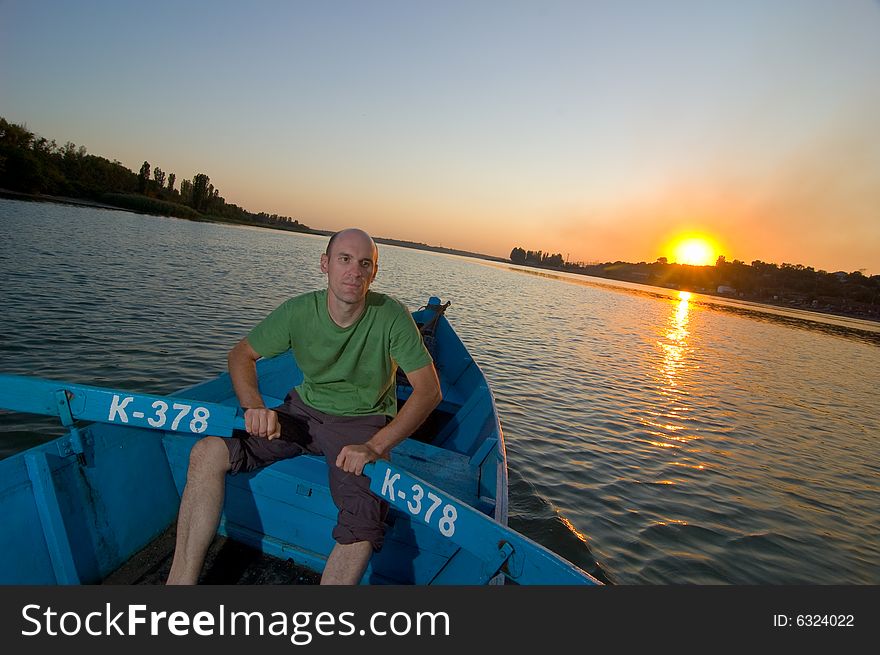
point(347, 563)
point(200, 508)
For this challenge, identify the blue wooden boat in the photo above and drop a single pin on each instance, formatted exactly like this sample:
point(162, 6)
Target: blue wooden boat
point(99, 503)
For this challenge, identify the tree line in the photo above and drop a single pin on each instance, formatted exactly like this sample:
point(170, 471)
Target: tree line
point(535, 258)
point(34, 165)
point(787, 284)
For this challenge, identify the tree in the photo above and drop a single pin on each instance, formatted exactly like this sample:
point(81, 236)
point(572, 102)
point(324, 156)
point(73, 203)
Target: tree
point(200, 191)
point(15, 136)
point(186, 188)
point(144, 177)
point(171, 178)
point(518, 255)
point(209, 199)
point(159, 176)
point(534, 256)
point(44, 146)
point(21, 170)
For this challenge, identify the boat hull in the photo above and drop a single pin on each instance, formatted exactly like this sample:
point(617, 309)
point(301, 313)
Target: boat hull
point(80, 506)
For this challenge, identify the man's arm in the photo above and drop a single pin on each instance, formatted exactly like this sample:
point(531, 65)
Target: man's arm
point(425, 397)
point(242, 362)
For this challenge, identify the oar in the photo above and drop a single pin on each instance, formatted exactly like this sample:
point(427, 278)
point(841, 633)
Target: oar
point(499, 547)
point(79, 402)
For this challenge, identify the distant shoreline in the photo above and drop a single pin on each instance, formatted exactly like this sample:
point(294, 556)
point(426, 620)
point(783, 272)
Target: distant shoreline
point(15, 195)
point(61, 200)
point(782, 311)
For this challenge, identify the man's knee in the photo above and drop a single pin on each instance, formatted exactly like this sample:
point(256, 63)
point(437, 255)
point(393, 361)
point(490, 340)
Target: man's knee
point(209, 455)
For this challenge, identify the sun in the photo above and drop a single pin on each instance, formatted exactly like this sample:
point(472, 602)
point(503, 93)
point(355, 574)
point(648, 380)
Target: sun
point(694, 250)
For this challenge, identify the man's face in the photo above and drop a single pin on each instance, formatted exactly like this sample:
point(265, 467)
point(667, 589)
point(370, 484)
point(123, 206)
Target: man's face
point(350, 267)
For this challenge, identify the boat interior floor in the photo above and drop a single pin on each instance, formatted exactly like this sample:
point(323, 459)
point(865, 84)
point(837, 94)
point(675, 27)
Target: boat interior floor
point(228, 562)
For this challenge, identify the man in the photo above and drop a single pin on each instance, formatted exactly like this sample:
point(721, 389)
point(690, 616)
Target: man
point(348, 341)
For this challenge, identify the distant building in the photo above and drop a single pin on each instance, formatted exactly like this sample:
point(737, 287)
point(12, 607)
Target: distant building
point(723, 288)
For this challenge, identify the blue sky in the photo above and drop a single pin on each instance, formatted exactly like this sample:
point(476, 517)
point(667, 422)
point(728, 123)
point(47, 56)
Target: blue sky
point(602, 130)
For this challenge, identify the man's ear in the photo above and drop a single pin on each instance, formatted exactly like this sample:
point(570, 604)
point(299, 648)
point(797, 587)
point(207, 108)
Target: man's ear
point(324, 261)
point(375, 271)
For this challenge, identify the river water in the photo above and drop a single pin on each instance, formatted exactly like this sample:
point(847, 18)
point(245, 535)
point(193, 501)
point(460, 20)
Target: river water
point(651, 439)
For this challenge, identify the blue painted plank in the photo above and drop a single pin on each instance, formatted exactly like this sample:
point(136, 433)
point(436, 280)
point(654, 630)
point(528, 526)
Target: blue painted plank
point(87, 403)
point(51, 519)
point(528, 562)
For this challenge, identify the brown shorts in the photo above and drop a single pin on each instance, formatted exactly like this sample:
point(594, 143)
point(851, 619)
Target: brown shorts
point(305, 430)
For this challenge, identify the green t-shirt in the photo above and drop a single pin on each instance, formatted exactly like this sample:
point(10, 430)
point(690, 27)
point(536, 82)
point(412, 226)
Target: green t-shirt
point(347, 371)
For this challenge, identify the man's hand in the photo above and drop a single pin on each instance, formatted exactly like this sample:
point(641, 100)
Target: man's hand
point(353, 458)
point(262, 422)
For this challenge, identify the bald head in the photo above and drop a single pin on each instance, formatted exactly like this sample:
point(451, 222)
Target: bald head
point(353, 234)
point(351, 264)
